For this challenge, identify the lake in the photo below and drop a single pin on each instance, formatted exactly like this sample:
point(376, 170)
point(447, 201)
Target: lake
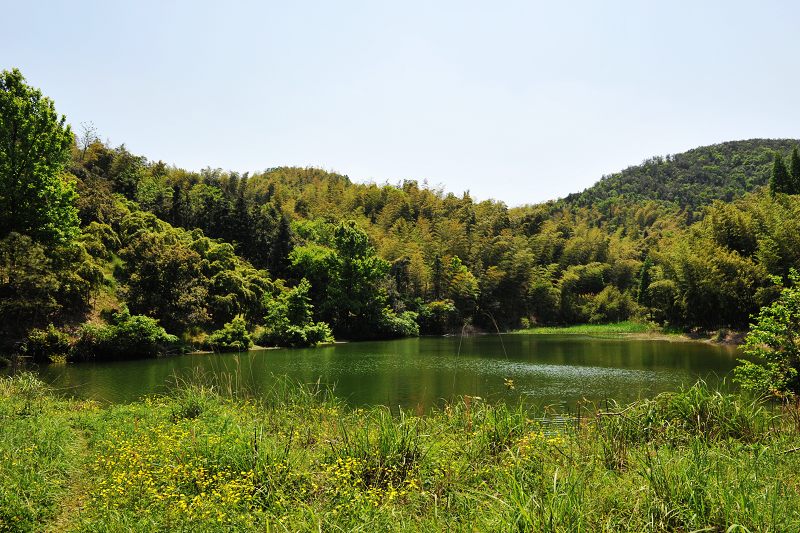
point(557, 370)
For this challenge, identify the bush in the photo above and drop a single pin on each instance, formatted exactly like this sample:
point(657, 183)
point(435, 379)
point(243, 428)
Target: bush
point(295, 336)
point(403, 325)
point(610, 305)
point(438, 317)
point(127, 337)
point(46, 345)
point(317, 332)
point(232, 336)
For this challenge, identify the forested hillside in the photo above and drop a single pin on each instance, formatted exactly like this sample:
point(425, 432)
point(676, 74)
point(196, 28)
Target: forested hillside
point(105, 252)
point(695, 178)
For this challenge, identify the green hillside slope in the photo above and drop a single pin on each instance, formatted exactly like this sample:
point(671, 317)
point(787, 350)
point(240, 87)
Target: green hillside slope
point(691, 179)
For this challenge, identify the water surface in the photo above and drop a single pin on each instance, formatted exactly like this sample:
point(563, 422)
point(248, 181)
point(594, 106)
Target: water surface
point(556, 370)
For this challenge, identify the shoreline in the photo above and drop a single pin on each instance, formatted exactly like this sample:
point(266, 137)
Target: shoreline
point(638, 331)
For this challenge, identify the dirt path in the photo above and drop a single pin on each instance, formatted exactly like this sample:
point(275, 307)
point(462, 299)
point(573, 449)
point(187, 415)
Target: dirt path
point(77, 486)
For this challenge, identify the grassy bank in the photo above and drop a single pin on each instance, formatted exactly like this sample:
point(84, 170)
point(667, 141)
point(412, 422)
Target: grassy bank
point(617, 328)
point(298, 460)
point(641, 330)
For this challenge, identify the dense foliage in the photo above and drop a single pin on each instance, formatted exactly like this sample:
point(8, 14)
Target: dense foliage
point(35, 196)
point(125, 337)
point(773, 343)
point(233, 336)
point(691, 179)
point(289, 320)
point(298, 255)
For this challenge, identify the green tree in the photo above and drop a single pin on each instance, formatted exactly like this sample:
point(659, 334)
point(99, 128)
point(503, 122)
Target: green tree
point(355, 300)
point(40, 284)
point(780, 181)
point(28, 285)
point(644, 282)
point(126, 171)
point(794, 170)
point(774, 343)
point(164, 278)
point(35, 145)
point(126, 337)
point(348, 281)
point(289, 320)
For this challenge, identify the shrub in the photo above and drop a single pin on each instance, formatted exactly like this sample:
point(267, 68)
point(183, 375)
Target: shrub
point(403, 325)
point(610, 305)
point(438, 317)
point(692, 412)
point(127, 337)
point(295, 336)
point(232, 336)
point(45, 345)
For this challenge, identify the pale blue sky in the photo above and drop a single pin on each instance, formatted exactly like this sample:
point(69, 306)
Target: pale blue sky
point(518, 101)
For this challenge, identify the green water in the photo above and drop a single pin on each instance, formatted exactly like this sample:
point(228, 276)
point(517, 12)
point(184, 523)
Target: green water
point(420, 372)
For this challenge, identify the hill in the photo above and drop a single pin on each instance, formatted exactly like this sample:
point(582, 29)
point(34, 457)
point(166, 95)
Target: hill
point(692, 179)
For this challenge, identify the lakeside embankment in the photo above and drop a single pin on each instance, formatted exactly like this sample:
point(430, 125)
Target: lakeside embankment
point(201, 459)
point(637, 330)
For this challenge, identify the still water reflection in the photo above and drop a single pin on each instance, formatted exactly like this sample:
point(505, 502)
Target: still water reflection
point(545, 369)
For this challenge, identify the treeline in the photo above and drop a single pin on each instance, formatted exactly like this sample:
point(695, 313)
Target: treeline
point(449, 259)
point(692, 179)
point(786, 180)
point(295, 256)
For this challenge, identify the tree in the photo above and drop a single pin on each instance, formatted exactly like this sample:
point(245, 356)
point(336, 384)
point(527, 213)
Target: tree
point(232, 336)
point(35, 145)
point(289, 319)
point(354, 301)
point(794, 170)
point(28, 285)
point(86, 139)
point(281, 246)
point(644, 282)
point(164, 279)
point(780, 181)
point(39, 283)
point(347, 283)
point(774, 343)
point(438, 276)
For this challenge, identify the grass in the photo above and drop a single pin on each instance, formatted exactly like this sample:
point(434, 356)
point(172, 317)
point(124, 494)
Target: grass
point(201, 459)
point(616, 328)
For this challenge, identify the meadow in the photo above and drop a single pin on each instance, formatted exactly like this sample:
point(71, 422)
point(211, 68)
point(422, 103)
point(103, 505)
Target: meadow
point(203, 458)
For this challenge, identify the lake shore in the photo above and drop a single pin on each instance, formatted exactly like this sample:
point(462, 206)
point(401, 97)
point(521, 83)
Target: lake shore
point(637, 330)
point(202, 459)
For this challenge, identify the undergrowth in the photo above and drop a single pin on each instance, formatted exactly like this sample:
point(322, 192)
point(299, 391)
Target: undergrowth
point(296, 459)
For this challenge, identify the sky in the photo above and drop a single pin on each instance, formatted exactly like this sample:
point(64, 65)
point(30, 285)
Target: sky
point(516, 101)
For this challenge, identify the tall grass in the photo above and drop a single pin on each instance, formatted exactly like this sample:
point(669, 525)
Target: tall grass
point(206, 458)
point(615, 328)
point(38, 451)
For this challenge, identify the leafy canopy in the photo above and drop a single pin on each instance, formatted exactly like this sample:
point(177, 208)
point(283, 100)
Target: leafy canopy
point(35, 145)
point(774, 343)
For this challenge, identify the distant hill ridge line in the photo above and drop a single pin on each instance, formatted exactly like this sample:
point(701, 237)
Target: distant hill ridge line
point(693, 178)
